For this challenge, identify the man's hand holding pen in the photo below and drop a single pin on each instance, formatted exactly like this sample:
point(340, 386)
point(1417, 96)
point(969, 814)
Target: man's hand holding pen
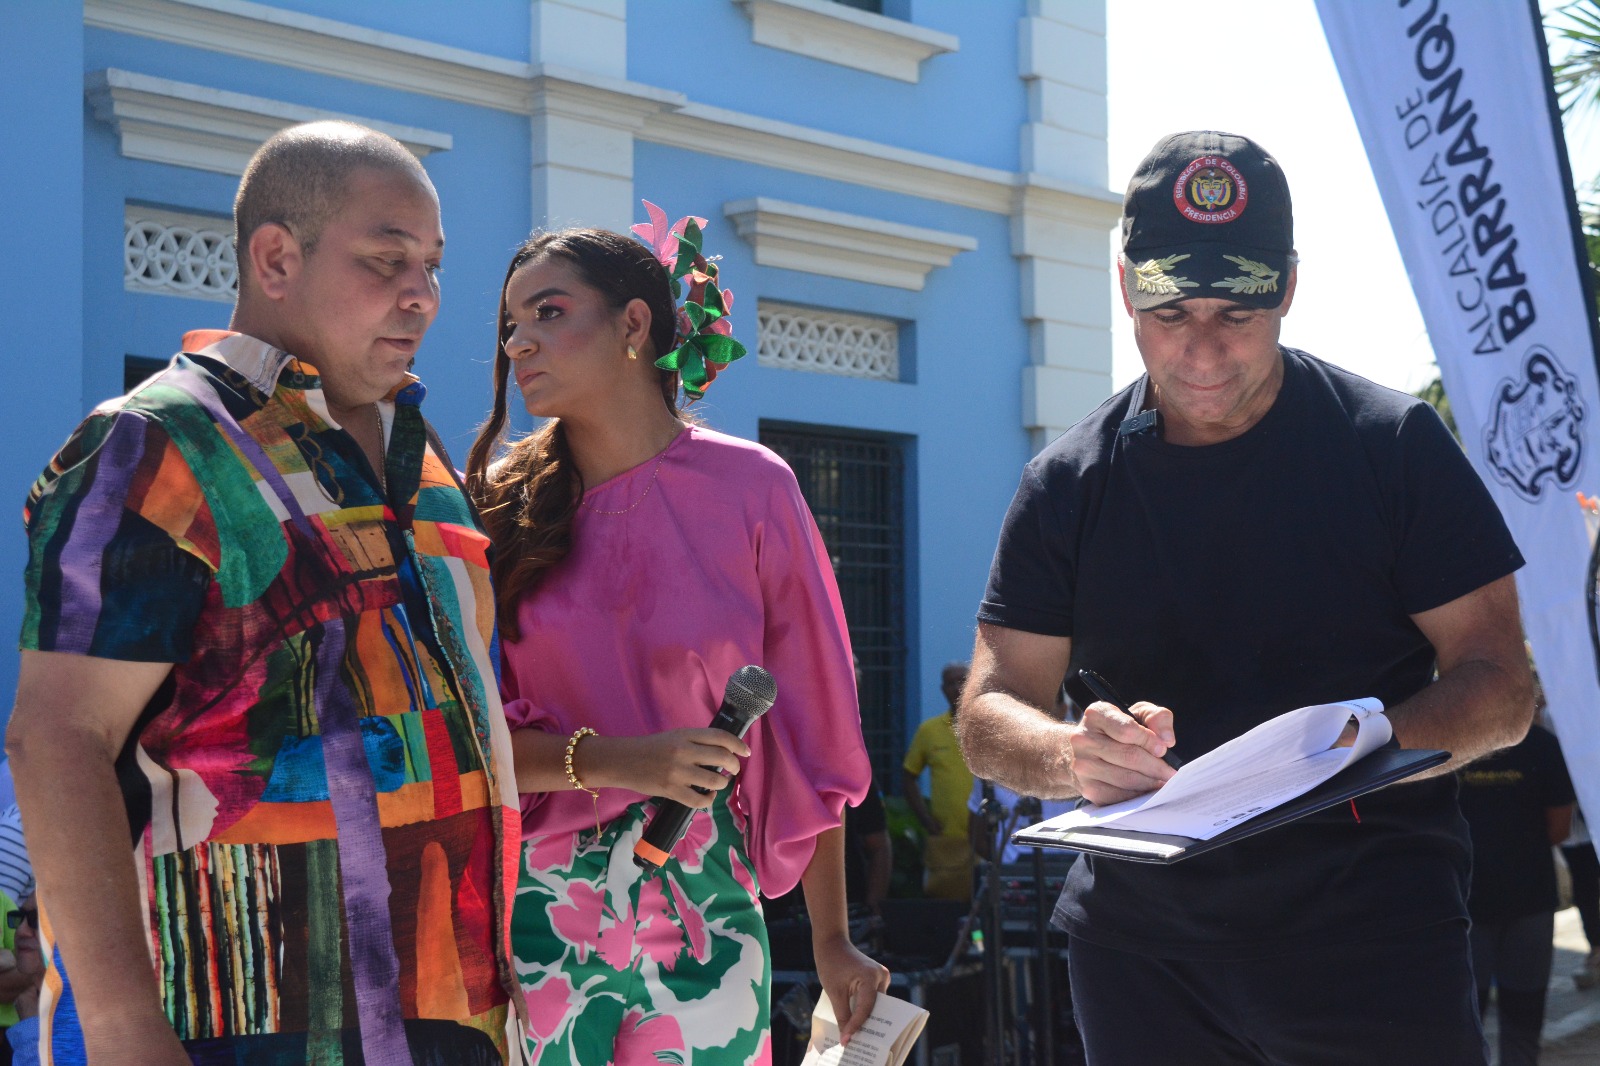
point(1116, 755)
point(1119, 751)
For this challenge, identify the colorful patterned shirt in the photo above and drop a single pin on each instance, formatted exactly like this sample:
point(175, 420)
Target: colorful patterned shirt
point(322, 794)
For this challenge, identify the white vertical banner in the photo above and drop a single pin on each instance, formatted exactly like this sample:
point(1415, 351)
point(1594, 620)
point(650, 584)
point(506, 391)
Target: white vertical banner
point(1453, 102)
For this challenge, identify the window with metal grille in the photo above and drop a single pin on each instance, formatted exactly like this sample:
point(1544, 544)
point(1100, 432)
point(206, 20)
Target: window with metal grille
point(855, 486)
point(827, 342)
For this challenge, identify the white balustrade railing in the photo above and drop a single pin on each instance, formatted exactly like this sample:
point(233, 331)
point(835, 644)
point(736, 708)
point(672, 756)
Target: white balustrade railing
point(827, 342)
point(178, 255)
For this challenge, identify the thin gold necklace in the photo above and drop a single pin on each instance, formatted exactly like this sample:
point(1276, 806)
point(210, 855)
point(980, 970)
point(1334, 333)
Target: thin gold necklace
point(648, 486)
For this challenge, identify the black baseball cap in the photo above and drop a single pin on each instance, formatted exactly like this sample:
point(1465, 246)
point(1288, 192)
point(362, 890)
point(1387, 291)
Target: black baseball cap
point(1207, 214)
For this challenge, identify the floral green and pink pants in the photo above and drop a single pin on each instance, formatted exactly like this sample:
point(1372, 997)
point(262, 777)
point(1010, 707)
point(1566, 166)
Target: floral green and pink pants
point(624, 966)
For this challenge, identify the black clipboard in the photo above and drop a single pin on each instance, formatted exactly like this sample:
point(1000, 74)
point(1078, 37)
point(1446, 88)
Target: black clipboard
point(1383, 767)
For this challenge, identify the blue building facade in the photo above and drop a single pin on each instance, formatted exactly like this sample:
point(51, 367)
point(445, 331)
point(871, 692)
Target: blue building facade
point(910, 203)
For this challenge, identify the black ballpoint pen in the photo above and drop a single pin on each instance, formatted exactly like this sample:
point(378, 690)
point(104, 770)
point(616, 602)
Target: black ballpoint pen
point(1106, 694)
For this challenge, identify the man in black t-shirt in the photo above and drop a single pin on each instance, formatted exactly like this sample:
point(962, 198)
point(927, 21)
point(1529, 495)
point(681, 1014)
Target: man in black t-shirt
point(1243, 531)
point(868, 854)
point(1518, 804)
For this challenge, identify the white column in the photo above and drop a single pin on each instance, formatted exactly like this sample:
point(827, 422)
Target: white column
point(590, 35)
point(1061, 53)
point(1061, 215)
point(582, 159)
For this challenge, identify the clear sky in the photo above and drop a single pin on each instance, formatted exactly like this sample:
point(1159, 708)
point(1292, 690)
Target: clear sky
point(1262, 68)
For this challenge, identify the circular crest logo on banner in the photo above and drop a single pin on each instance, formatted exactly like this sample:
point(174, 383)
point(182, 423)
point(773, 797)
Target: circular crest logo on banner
point(1534, 437)
point(1210, 189)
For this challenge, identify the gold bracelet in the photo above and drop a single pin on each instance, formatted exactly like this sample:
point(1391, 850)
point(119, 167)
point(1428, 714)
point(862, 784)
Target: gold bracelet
point(572, 746)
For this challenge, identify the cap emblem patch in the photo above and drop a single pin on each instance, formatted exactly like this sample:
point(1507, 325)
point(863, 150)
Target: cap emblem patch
point(1257, 278)
point(1210, 189)
point(1151, 276)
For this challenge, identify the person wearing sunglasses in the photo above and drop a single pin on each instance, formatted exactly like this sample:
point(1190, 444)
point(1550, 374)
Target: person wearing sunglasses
point(23, 923)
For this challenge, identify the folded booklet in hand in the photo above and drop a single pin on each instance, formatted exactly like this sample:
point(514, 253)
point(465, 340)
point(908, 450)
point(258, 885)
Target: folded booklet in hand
point(1281, 770)
point(885, 1039)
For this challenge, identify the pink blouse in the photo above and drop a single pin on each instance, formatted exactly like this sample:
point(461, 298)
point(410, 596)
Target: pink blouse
point(713, 563)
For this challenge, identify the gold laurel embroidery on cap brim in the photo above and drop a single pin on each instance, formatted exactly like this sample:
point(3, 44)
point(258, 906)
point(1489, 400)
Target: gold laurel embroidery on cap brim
point(1151, 276)
point(1261, 278)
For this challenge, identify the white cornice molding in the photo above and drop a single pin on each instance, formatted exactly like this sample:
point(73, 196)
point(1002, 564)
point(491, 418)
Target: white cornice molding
point(342, 50)
point(1045, 198)
point(167, 121)
point(834, 33)
point(819, 241)
point(323, 46)
point(819, 153)
point(597, 98)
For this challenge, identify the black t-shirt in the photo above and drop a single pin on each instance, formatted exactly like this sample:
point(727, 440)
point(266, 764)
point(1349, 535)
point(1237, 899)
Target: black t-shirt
point(1239, 580)
point(861, 822)
point(1504, 798)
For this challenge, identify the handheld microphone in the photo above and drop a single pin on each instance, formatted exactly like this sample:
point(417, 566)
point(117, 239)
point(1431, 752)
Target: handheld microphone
point(749, 695)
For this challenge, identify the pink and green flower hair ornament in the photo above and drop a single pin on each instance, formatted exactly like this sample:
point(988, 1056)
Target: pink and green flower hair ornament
point(704, 344)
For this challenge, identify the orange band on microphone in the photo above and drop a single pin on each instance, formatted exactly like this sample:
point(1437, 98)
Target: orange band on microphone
point(650, 853)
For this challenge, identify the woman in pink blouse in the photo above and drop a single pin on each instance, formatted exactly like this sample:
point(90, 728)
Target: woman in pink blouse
point(641, 560)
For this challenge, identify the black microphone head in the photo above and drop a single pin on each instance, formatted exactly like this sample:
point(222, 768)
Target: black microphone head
point(751, 690)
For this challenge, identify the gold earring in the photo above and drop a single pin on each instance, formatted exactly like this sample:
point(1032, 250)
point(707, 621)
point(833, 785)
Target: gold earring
point(632, 353)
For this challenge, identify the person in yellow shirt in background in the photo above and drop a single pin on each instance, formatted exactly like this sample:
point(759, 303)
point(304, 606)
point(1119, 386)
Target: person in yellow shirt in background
point(947, 859)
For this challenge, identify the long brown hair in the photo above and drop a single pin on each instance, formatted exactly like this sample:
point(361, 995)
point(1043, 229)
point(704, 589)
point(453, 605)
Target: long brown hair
point(528, 491)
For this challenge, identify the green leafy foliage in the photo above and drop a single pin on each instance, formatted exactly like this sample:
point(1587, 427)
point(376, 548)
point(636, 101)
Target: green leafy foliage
point(1577, 72)
point(1590, 213)
point(1433, 392)
point(1576, 69)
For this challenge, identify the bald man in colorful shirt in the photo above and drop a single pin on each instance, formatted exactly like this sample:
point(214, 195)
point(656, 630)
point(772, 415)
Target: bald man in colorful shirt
point(258, 646)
